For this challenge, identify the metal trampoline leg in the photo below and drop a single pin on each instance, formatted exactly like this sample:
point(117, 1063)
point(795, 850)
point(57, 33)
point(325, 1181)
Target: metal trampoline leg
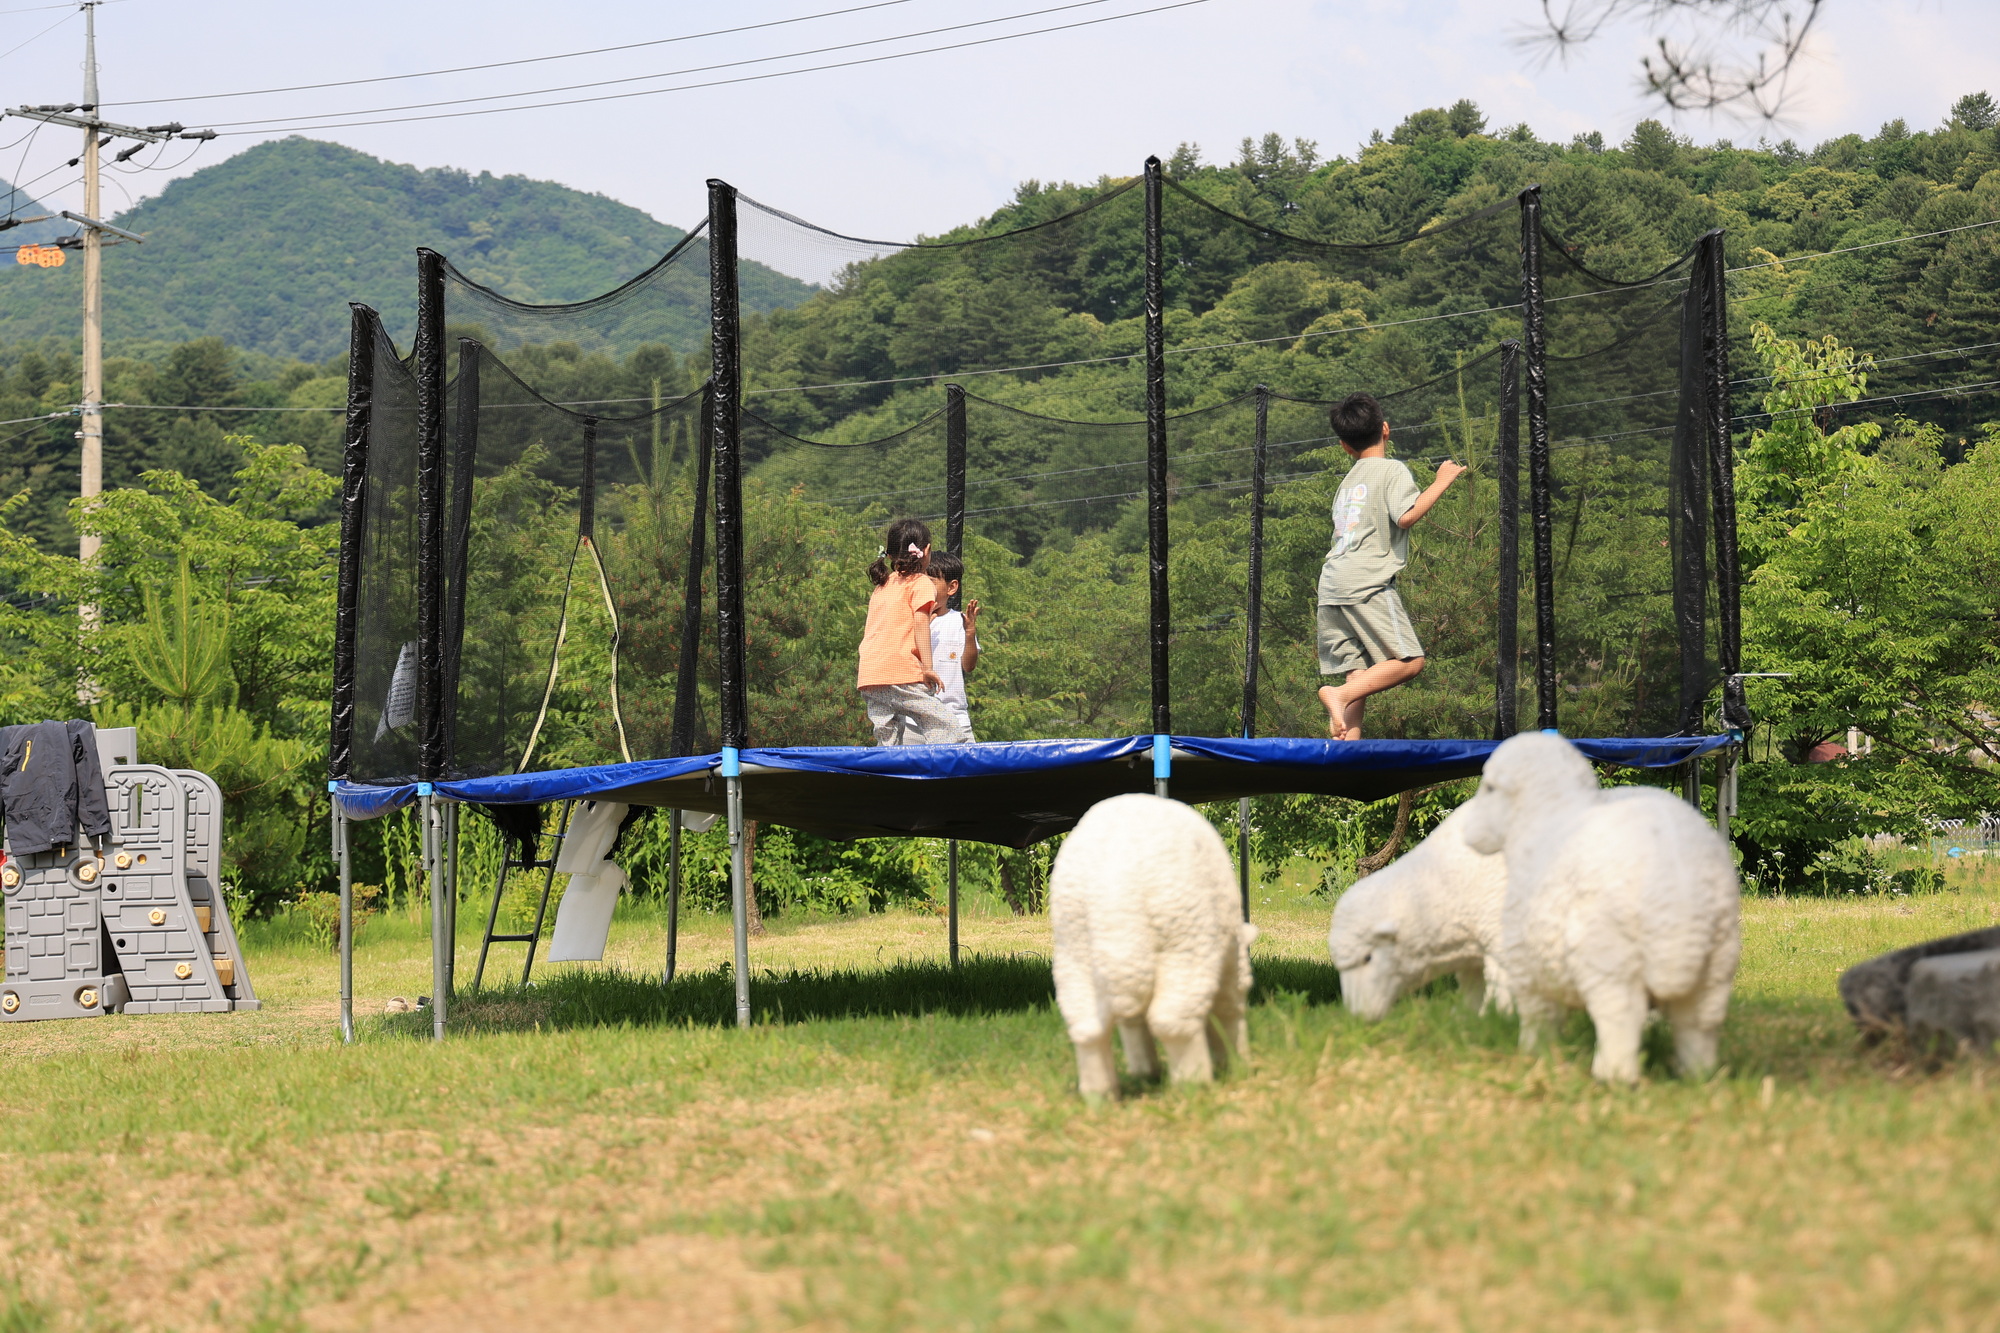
point(1243, 851)
point(449, 846)
point(441, 921)
point(343, 859)
point(1725, 792)
point(673, 895)
point(738, 908)
point(951, 897)
point(427, 814)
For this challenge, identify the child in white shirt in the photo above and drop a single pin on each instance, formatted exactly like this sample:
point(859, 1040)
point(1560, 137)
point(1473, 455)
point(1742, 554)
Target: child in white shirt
point(954, 642)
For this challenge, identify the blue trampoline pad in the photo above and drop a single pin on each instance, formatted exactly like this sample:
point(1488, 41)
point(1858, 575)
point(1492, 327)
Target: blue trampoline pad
point(1010, 793)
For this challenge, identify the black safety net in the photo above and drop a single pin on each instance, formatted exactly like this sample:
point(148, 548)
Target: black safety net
point(566, 532)
point(1628, 494)
point(379, 571)
point(1142, 506)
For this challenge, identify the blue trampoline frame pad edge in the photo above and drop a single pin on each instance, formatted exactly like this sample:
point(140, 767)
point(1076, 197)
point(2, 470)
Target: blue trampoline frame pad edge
point(1011, 793)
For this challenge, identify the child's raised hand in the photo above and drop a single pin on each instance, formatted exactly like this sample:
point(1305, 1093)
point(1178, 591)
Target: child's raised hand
point(1448, 472)
point(971, 614)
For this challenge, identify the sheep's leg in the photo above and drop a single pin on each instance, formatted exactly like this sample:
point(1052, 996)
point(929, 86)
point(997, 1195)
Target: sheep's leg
point(1619, 1015)
point(1232, 999)
point(1218, 1045)
point(1538, 1020)
point(1472, 985)
point(1697, 1023)
point(1096, 1071)
point(1233, 1022)
point(1189, 1059)
point(1142, 1057)
point(1184, 993)
point(1499, 995)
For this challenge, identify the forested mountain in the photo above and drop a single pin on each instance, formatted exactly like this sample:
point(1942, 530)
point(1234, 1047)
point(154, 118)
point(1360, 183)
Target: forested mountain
point(265, 250)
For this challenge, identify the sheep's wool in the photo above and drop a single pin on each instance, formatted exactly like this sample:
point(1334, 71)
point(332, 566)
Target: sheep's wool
point(1621, 902)
point(1434, 910)
point(1149, 939)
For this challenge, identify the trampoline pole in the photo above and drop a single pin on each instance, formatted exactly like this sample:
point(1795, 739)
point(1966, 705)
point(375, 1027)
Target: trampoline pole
point(951, 897)
point(1243, 850)
point(1156, 474)
point(428, 816)
point(342, 858)
point(449, 814)
point(673, 895)
point(739, 910)
point(1535, 364)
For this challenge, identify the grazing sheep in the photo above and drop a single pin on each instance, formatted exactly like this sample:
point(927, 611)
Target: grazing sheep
point(1434, 910)
point(1149, 937)
point(1618, 902)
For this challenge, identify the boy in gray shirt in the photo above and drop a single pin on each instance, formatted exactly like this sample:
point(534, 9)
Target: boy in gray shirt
point(1365, 634)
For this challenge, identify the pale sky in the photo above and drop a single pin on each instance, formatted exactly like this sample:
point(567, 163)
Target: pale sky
point(909, 145)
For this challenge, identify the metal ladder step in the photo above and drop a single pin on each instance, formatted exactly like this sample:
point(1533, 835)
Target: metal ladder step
point(533, 936)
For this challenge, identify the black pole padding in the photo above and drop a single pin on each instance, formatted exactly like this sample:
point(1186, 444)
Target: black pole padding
point(1156, 448)
point(430, 372)
point(1689, 464)
point(1507, 463)
point(462, 466)
point(1535, 361)
point(1253, 609)
point(1712, 268)
point(687, 682)
point(954, 478)
point(586, 499)
point(361, 326)
point(725, 405)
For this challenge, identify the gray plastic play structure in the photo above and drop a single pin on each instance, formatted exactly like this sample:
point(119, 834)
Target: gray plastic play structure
point(136, 926)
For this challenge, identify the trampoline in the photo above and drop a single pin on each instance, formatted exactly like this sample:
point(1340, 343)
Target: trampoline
point(549, 562)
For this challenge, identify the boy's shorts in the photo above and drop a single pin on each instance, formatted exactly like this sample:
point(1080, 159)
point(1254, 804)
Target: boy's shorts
point(1365, 633)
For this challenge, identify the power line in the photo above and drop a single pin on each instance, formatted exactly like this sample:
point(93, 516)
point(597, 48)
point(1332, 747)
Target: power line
point(525, 60)
point(1872, 245)
point(717, 83)
point(674, 73)
point(35, 9)
point(43, 33)
point(190, 407)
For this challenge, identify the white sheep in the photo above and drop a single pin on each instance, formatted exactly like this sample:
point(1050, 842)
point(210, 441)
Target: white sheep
point(1149, 937)
point(1619, 902)
point(1434, 910)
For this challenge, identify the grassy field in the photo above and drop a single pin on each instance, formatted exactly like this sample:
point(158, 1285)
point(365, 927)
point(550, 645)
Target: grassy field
point(893, 1146)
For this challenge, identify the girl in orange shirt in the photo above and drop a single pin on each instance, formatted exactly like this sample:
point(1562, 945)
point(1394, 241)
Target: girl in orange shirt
point(896, 679)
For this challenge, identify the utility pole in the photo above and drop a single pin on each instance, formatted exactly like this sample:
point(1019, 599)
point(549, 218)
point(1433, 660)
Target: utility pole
point(96, 134)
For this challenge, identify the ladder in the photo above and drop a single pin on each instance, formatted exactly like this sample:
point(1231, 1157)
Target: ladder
point(516, 856)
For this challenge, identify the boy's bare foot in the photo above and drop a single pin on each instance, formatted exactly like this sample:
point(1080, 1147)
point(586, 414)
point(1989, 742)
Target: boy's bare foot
point(1336, 712)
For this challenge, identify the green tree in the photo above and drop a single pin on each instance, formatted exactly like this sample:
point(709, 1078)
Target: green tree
point(1876, 585)
point(1975, 111)
point(223, 666)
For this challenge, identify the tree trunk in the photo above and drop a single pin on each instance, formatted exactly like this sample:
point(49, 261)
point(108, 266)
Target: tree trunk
point(1383, 855)
point(750, 877)
point(1023, 881)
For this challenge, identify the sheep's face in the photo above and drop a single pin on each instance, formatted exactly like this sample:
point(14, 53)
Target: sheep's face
point(1529, 771)
point(1370, 975)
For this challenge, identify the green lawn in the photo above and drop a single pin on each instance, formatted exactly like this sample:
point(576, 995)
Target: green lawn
point(894, 1146)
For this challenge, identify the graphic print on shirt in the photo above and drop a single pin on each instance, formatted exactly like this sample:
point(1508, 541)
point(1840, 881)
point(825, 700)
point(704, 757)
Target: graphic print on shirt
point(1347, 514)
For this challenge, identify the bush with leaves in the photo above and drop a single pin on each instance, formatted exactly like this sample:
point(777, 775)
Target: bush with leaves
point(210, 630)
